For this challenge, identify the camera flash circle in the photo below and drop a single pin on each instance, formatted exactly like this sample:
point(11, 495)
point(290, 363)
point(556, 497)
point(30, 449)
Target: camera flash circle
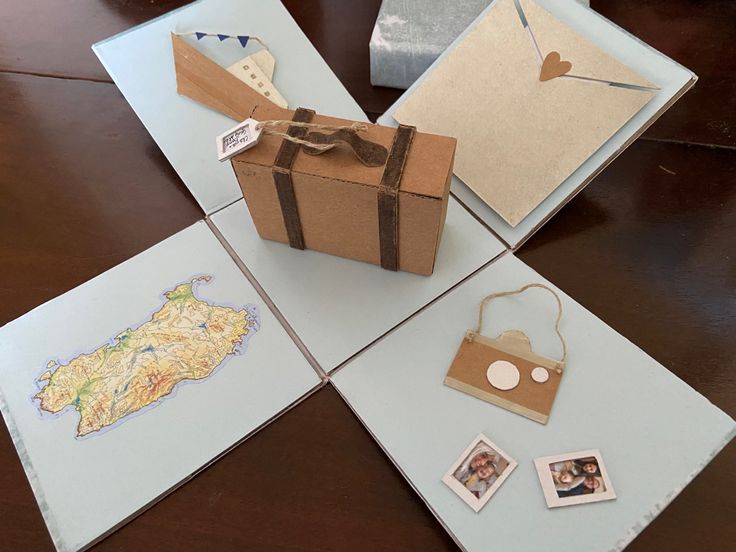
point(540, 375)
point(503, 375)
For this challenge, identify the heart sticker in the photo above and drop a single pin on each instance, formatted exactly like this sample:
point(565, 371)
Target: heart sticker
point(554, 67)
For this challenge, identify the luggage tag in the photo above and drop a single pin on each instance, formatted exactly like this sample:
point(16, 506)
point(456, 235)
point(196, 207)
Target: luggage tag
point(505, 371)
point(238, 139)
point(247, 134)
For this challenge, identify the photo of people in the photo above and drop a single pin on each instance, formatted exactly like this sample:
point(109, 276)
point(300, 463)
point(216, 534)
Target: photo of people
point(577, 477)
point(479, 472)
point(574, 478)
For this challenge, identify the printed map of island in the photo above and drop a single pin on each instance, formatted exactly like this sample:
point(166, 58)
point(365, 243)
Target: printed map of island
point(186, 339)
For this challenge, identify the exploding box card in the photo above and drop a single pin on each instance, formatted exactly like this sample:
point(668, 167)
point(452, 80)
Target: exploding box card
point(541, 95)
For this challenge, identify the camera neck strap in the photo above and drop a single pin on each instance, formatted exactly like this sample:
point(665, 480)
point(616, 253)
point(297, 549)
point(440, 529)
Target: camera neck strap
point(500, 294)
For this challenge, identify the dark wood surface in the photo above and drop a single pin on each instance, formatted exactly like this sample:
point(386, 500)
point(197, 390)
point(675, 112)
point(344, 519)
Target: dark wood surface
point(648, 247)
point(699, 34)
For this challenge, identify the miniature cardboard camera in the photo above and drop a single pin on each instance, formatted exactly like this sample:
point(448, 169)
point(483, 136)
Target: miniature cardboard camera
point(506, 372)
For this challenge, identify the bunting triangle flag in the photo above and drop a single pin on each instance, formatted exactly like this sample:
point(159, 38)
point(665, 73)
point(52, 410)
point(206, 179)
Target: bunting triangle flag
point(243, 40)
point(200, 36)
point(222, 37)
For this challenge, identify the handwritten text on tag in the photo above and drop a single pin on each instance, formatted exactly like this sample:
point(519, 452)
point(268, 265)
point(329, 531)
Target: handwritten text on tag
point(238, 139)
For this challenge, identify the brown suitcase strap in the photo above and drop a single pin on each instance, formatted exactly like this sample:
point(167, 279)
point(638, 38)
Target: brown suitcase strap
point(282, 178)
point(388, 190)
point(388, 197)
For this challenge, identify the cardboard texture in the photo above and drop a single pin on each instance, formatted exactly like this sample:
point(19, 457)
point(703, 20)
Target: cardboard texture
point(336, 195)
point(529, 398)
point(505, 371)
point(509, 150)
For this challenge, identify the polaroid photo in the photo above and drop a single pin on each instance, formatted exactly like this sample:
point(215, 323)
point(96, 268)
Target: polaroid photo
point(574, 478)
point(479, 472)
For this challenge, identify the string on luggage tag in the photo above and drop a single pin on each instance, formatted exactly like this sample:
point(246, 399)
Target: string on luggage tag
point(239, 138)
point(248, 133)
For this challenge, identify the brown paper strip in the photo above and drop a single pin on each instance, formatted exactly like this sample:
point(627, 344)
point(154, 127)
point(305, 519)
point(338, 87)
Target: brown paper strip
point(203, 80)
point(282, 178)
point(388, 197)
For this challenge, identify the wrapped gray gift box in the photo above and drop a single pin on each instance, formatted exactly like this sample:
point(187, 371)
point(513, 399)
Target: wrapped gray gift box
point(410, 34)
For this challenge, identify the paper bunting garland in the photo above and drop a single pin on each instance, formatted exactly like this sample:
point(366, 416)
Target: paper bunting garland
point(243, 39)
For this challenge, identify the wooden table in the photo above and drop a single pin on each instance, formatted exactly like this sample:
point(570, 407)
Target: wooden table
point(649, 247)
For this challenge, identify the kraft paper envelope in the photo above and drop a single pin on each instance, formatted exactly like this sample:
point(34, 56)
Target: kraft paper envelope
point(520, 137)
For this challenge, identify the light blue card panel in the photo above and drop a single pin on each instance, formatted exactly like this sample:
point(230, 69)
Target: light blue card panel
point(339, 306)
point(86, 486)
point(672, 79)
point(141, 63)
point(655, 432)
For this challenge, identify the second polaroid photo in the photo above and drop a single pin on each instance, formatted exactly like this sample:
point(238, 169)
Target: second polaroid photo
point(574, 478)
point(479, 471)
